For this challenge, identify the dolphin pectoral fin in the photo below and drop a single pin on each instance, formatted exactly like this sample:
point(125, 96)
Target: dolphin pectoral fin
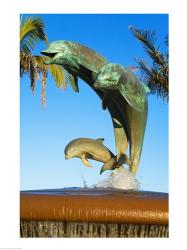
point(74, 82)
point(104, 102)
point(110, 165)
point(85, 161)
point(134, 93)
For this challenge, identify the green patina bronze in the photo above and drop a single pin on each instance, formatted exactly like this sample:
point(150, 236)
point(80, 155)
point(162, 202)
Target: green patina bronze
point(116, 77)
point(132, 104)
point(119, 89)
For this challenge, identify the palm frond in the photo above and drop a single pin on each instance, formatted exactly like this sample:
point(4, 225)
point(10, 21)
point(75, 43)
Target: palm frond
point(40, 60)
point(154, 76)
point(28, 66)
point(132, 68)
point(31, 32)
point(34, 66)
point(56, 71)
point(58, 74)
point(148, 38)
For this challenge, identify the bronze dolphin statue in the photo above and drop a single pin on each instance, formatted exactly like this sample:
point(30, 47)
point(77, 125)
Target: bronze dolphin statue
point(86, 148)
point(81, 61)
point(115, 80)
point(126, 103)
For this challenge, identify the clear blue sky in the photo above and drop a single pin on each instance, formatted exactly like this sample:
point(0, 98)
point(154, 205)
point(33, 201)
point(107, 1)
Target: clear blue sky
point(68, 115)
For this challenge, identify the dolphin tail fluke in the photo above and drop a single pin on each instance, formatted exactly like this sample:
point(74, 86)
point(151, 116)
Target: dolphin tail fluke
point(110, 165)
point(113, 163)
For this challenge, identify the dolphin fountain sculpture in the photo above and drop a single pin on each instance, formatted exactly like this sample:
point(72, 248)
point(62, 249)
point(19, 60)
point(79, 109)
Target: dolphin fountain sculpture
point(123, 95)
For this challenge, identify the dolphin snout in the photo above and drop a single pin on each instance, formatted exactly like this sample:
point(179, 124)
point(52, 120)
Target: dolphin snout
point(50, 54)
point(66, 157)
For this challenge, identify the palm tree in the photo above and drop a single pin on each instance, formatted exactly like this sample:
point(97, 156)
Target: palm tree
point(31, 32)
point(156, 75)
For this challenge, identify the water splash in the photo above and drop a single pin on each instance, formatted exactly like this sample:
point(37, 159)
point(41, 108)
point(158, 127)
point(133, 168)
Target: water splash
point(120, 178)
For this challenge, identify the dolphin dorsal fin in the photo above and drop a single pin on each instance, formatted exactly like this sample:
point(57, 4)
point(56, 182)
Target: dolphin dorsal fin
point(101, 140)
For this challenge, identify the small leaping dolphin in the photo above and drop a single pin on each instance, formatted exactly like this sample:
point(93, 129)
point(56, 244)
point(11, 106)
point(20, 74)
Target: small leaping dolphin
point(86, 148)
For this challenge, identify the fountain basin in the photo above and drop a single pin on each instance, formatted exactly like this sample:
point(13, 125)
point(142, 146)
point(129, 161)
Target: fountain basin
point(93, 206)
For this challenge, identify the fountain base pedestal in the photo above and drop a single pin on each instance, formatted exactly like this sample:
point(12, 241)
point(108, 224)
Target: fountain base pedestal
point(93, 212)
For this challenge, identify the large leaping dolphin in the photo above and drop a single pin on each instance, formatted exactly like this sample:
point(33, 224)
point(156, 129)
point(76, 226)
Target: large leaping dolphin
point(132, 104)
